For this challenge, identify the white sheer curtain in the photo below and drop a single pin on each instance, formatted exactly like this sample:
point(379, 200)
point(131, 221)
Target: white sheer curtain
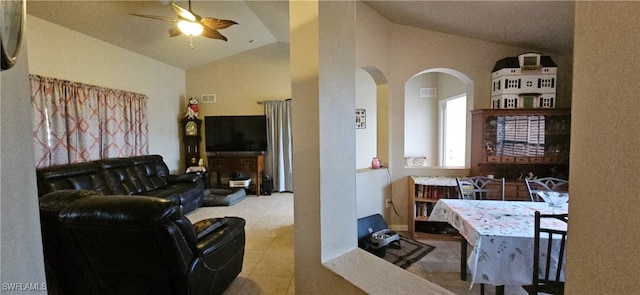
point(278, 159)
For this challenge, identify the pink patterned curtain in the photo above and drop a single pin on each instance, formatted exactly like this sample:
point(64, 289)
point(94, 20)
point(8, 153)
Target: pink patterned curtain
point(75, 122)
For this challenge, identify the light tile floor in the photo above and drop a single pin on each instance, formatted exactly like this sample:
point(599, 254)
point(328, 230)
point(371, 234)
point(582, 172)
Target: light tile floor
point(268, 262)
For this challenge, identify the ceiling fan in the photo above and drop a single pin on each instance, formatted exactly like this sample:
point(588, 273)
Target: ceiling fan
point(191, 24)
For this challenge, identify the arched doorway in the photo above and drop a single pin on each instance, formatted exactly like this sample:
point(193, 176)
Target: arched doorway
point(435, 123)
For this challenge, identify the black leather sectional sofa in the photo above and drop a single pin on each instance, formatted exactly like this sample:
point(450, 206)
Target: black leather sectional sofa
point(140, 175)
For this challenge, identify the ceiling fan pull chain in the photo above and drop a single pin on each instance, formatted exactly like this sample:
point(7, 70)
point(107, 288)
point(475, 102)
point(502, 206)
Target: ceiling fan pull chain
point(191, 41)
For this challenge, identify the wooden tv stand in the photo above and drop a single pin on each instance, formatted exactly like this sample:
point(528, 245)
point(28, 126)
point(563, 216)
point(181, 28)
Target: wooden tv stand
point(237, 162)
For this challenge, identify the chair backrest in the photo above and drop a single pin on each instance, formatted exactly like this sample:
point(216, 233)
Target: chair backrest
point(545, 184)
point(64, 265)
point(480, 188)
point(550, 247)
point(133, 244)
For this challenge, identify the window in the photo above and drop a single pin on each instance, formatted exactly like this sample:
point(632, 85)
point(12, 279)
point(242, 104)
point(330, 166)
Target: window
point(530, 60)
point(454, 121)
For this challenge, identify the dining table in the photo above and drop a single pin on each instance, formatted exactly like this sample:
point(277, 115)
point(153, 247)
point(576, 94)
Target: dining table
point(501, 234)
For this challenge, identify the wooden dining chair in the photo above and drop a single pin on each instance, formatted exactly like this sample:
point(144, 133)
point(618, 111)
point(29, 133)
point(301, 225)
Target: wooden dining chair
point(547, 265)
point(545, 184)
point(480, 188)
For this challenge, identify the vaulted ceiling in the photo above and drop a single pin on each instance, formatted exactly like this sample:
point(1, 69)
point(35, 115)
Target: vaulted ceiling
point(545, 26)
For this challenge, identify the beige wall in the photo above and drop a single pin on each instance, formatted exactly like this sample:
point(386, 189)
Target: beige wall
point(57, 52)
point(603, 249)
point(242, 80)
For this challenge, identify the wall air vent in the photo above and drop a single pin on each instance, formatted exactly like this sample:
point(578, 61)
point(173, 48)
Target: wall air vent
point(428, 92)
point(208, 98)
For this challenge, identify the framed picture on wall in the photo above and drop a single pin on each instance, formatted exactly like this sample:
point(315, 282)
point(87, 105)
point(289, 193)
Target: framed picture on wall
point(361, 118)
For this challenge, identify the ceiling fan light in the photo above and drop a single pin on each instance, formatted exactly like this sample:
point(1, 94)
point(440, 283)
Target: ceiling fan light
point(190, 28)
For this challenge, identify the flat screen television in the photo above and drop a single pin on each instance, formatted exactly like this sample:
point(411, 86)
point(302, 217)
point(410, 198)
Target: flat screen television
point(235, 133)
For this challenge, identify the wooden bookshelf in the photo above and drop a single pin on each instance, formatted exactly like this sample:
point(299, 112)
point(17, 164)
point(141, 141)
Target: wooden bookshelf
point(424, 193)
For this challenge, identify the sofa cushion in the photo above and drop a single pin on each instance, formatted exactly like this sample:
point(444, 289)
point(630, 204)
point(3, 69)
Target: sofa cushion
point(188, 195)
point(121, 177)
point(152, 170)
point(78, 176)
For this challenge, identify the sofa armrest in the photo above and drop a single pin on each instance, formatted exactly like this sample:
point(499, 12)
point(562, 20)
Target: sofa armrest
point(184, 178)
point(207, 226)
point(221, 236)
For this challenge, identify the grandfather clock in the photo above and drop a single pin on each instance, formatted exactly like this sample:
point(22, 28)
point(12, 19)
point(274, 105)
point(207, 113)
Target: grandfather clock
point(191, 138)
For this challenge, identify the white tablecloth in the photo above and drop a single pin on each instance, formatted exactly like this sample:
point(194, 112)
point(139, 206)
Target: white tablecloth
point(501, 233)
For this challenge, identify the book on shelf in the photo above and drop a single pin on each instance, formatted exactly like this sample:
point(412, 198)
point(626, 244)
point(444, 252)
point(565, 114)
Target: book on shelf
point(423, 209)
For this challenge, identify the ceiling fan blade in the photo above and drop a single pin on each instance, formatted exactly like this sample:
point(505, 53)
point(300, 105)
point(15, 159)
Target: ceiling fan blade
point(183, 13)
point(154, 17)
point(213, 34)
point(175, 31)
point(217, 24)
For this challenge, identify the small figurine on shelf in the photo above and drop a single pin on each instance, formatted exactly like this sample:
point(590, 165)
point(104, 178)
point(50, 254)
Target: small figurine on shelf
point(192, 108)
point(531, 176)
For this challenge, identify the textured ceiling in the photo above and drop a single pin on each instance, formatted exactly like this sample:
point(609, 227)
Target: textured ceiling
point(546, 26)
point(110, 21)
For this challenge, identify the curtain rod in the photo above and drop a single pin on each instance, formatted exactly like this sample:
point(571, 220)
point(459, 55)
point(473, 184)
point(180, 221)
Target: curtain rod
point(263, 101)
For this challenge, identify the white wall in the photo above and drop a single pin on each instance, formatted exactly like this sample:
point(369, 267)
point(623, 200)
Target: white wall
point(366, 139)
point(323, 89)
point(57, 52)
point(421, 119)
point(373, 187)
point(21, 259)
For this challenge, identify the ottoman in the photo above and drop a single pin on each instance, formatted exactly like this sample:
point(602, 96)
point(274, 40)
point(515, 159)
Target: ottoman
point(223, 197)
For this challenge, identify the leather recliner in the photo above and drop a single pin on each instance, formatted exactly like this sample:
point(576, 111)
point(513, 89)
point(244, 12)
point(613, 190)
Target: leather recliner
point(64, 268)
point(146, 246)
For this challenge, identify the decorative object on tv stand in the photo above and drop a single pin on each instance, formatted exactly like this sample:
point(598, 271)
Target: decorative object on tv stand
point(375, 163)
point(361, 118)
point(525, 81)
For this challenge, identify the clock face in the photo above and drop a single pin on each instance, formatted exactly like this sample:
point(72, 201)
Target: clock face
point(191, 128)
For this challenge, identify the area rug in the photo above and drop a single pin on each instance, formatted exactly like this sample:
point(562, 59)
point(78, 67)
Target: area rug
point(410, 251)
